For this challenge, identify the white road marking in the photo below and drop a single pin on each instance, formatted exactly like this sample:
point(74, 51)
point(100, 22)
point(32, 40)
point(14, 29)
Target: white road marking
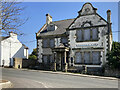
point(46, 86)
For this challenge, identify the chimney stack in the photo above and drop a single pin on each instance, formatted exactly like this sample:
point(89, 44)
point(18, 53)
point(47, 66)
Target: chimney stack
point(48, 19)
point(109, 16)
point(12, 34)
point(109, 27)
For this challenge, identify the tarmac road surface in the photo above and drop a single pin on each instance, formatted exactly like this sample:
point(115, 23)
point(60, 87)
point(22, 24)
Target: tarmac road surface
point(34, 79)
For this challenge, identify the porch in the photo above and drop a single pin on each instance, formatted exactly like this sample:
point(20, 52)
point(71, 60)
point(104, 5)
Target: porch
point(61, 55)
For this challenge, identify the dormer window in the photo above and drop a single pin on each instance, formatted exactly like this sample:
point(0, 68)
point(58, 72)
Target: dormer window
point(51, 27)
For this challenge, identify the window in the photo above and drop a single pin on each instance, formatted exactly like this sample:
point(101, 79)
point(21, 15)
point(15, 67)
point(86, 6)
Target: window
point(79, 35)
point(94, 34)
point(51, 27)
point(86, 57)
point(48, 43)
point(86, 34)
point(64, 40)
point(96, 57)
point(48, 59)
point(78, 57)
point(45, 43)
point(52, 43)
point(45, 58)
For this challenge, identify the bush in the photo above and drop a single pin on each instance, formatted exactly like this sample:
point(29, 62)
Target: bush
point(114, 56)
point(33, 57)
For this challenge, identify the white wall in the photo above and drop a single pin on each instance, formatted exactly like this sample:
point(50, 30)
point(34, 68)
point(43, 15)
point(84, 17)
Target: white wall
point(26, 53)
point(0, 53)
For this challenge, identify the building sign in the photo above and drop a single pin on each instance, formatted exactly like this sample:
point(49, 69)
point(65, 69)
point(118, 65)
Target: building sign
point(86, 45)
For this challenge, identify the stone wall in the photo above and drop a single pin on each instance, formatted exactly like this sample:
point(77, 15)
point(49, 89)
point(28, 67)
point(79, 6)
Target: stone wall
point(85, 26)
point(28, 63)
point(113, 73)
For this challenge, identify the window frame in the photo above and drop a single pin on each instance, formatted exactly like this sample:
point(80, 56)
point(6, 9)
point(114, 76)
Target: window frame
point(43, 59)
point(64, 38)
point(97, 34)
point(89, 57)
point(43, 43)
point(99, 58)
point(48, 59)
point(84, 34)
point(48, 43)
point(75, 58)
point(90, 60)
point(91, 34)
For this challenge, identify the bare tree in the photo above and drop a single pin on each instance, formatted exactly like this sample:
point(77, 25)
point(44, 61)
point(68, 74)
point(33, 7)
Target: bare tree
point(10, 16)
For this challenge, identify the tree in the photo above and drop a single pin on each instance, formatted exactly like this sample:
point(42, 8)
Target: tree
point(34, 52)
point(10, 16)
point(114, 56)
point(33, 56)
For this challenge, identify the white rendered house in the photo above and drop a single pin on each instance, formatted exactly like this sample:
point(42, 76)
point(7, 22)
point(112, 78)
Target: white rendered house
point(10, 48)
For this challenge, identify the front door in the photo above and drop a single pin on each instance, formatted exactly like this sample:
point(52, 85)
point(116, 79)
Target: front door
point(58, 61)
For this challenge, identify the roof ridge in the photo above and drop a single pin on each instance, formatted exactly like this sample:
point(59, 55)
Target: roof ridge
point(4, 37)
point(64, 20)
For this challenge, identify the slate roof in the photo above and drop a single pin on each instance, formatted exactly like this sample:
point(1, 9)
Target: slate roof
point(3, 38)
point(61, 27)
point(25, 46)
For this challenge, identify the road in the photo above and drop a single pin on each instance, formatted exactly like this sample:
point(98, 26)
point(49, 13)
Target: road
point(34, 79)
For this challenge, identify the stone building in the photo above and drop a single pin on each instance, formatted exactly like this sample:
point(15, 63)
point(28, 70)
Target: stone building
point(77, 42)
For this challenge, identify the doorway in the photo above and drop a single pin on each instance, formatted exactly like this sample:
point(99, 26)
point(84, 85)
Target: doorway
point(60, 61)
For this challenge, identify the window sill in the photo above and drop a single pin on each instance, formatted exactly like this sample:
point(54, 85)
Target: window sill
point(88, 41)
point(87, 63)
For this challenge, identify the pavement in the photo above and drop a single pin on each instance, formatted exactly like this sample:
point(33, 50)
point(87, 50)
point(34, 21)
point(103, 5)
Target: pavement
point(5, 84)
point(24, 78)
point(73, 74)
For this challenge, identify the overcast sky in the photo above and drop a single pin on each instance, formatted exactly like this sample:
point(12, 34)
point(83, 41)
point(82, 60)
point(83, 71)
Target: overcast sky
point(36, 12)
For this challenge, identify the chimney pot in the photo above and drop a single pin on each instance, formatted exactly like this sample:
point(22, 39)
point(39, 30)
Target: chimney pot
point(108, 10)
point(12, 34)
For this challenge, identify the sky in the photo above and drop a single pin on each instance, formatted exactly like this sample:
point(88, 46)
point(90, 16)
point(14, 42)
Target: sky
point(36, 11)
